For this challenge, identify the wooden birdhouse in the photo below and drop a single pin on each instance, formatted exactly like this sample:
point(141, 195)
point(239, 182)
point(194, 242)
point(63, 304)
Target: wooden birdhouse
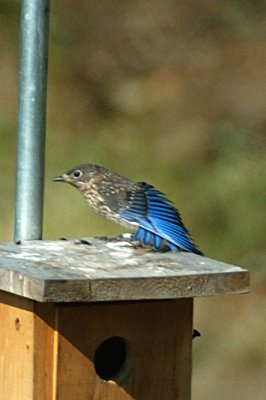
point(93, 319)
point(101, 320)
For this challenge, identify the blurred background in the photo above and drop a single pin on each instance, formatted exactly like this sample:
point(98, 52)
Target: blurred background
point(172, 93)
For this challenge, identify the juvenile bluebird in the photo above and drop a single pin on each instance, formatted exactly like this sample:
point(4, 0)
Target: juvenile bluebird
point(134, 205)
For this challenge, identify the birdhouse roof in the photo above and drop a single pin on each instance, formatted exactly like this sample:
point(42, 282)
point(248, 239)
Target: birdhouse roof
point(111, 269)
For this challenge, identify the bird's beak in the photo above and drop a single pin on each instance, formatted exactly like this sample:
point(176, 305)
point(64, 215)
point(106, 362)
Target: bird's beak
point(65, 178)
point(60, 178)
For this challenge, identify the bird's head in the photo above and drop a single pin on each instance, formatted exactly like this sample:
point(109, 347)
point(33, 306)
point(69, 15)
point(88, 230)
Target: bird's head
point(80, 175)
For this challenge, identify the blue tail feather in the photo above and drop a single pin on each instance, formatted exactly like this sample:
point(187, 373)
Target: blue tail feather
point(157, 241)
point(147, 238)
point(139, 234)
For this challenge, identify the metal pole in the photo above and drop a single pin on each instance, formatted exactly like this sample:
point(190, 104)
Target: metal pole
point(31, 119)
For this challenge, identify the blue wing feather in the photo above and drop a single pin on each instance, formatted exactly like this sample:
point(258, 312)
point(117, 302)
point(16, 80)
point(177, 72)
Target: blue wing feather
point(157, 220)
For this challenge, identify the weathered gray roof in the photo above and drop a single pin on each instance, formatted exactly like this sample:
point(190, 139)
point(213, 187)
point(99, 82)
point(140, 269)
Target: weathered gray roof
point(110, 270)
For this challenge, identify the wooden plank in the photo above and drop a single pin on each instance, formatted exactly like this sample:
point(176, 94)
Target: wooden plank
point(158, 362)
point(16, 348)
point(111, 269)
point(27, 339)
point(45, 351)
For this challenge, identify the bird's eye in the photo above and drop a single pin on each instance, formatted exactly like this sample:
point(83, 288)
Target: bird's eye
point(77, 173)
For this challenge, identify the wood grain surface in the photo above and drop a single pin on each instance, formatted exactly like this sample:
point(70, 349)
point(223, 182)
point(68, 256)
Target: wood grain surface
point(111, 269)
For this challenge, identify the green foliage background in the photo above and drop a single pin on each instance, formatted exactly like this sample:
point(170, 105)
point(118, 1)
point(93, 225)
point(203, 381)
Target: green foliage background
point(172, 93)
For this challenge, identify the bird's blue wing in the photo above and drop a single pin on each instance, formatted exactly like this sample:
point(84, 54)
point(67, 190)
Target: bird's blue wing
point(157, 220)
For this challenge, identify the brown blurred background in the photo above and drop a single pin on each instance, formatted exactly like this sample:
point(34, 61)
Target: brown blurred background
point(172, 93)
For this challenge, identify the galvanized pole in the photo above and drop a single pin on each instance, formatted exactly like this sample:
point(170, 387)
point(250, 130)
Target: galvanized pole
point(31, 119)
